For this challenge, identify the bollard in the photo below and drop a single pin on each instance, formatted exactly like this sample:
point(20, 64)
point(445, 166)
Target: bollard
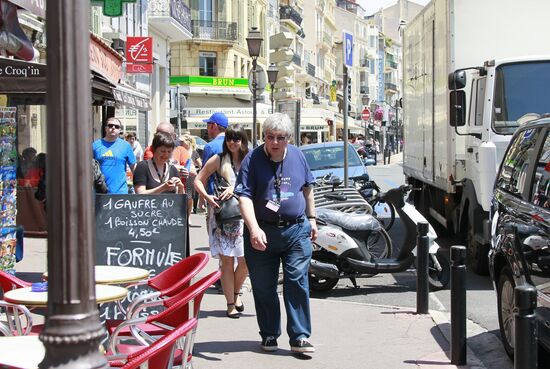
point(422, 286)
point(526, 345)
point(458, 305)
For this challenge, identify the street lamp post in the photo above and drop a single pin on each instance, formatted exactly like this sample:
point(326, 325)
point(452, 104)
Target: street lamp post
point(254, 43)
point(272, 73)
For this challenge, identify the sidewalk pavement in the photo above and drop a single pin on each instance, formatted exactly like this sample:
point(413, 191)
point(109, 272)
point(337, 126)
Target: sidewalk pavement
point(395, 158)
point(345, 335)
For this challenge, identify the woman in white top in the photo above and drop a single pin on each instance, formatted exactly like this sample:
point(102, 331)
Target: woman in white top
point(226, 238)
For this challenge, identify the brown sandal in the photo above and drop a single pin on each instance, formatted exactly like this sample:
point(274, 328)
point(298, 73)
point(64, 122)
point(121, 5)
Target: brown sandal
point(234, 315)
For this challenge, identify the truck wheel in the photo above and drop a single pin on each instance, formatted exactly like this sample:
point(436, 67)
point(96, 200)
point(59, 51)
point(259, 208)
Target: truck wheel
point(478, 260)
point(506, 309)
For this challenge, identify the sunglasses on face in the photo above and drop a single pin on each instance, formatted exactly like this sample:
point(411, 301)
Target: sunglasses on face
point(110, 125)
point(276, 138)
point(234, 139)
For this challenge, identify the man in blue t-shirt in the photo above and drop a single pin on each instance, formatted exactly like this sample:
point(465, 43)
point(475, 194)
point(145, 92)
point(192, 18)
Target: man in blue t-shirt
point(112, 154)
point(276, 199)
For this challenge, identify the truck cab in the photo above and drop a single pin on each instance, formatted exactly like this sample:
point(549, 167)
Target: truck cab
point(487, 105)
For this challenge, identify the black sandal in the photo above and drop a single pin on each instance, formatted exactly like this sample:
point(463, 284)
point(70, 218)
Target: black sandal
point(239, 308)
point(234, 315)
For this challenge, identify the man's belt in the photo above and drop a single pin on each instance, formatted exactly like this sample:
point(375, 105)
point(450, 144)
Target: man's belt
point(282, 223)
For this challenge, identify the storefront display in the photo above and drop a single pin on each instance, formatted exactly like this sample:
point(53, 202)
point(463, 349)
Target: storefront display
point(8, 188)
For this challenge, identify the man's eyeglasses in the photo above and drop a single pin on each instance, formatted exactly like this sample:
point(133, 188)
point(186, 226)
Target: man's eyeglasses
point(234, 139)
point(111, 125)
point(276, 138)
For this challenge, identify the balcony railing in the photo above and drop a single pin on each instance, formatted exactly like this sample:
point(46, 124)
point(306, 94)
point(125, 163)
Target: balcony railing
point(391, 64)
point(288, 12)
point(296, 59)
point(310, 68)
point(364, 63)
point(171, 8)
point(363, 90)
point(214, 30)
point(391, 86)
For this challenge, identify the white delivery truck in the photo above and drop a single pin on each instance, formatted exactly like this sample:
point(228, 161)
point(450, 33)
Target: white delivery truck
point(473, 71)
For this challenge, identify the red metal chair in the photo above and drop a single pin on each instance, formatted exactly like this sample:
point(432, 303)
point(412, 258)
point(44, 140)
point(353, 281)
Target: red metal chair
point(177, 310)
point(160, 355)
point(10, 282)
point(169, 282)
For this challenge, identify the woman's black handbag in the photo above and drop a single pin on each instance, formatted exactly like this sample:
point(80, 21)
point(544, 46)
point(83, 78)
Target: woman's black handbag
point(229, 209)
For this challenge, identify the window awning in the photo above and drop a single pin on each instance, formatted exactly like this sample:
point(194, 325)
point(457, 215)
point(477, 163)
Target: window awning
point(131, 98)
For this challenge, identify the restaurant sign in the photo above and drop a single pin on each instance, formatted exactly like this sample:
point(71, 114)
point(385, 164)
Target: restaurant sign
point(17, 76)
point(206, 112)
point(215, 85)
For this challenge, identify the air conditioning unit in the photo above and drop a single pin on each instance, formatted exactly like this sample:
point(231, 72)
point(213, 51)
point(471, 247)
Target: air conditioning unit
point(119, 45)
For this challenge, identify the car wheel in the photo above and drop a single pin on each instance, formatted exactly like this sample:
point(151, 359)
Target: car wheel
point(506, 309)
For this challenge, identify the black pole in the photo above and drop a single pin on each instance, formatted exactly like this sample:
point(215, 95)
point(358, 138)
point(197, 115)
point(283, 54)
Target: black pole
point(73, 330)
point(526, 346)
point(422, 286)
point(458, 305)
point(345, 134)
point(254, 87)
point(272, 99)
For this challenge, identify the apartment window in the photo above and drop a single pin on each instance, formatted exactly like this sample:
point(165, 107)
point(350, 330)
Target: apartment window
point(372, 41)
point(206, 10)
point(207, 63)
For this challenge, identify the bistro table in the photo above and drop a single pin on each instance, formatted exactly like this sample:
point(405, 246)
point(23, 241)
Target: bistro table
point(25, 296)
point(24, 352)
point(113, 274)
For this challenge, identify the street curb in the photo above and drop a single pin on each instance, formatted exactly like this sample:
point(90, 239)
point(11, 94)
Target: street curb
point(443, 323)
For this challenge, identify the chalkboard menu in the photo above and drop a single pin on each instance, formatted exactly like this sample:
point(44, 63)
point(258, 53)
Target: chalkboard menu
point(143, 231)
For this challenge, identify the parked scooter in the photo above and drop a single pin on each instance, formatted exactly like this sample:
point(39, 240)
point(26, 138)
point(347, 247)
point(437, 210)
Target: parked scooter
point(351, 246)
point(368, 153)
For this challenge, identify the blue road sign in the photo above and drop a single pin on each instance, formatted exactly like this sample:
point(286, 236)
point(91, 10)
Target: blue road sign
point(348, 49)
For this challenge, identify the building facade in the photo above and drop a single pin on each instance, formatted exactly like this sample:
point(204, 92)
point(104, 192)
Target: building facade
point(211, 71)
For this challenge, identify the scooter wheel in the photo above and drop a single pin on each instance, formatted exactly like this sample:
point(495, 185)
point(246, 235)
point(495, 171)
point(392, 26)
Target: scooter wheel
point(438, 277)
point(321, 284)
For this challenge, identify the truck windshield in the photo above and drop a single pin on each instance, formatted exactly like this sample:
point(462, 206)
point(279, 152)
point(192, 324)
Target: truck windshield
point(520, 94)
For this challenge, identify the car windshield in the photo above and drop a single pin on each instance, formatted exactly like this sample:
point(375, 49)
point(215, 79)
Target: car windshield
point(520, 93)
point(330, 157)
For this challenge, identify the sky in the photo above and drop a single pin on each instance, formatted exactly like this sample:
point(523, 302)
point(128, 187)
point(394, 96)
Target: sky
point(372, 6)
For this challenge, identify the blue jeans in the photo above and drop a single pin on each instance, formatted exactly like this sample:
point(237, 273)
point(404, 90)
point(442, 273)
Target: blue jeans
point(292, 246)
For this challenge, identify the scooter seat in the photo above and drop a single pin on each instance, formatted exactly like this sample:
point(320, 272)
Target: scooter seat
point(352, 222)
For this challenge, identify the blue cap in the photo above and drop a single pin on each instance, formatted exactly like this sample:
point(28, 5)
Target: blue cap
point(219, 118)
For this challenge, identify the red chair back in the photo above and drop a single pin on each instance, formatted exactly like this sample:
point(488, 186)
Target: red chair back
point(177, 277)
point(177, 306)
point(159, 355)
point(10, 282)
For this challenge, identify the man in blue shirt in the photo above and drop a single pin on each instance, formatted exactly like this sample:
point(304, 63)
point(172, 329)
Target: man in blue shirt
point(216, 126)
point(112, 154)
point(276, 199)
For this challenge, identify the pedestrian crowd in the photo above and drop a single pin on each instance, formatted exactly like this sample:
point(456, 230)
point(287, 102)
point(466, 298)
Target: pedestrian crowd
point(259, 205)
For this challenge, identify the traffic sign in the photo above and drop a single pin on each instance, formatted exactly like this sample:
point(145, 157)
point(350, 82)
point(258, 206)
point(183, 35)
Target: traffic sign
point(261, 80)
point(365, 115)
point(348, 49)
